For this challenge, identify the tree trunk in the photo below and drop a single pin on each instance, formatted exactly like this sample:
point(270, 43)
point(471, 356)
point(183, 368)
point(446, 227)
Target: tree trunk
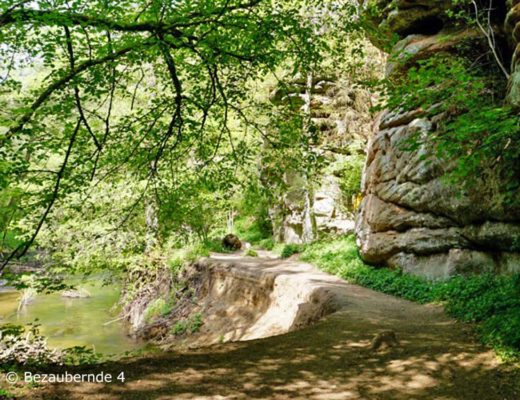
point(152, 224)
point(308, 232)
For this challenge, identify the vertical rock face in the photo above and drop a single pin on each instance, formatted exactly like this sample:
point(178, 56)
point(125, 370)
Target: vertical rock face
point(512, 27)
point(340, 115)
point(410, 217)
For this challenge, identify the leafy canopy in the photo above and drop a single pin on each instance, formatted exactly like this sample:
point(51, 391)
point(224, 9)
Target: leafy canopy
point(145, 87)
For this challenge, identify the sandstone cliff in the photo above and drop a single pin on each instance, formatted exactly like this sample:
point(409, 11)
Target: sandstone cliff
point(410, 216)
point(512, 28)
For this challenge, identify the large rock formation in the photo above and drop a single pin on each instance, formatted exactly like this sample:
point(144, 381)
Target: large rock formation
point(410, 217)
point(340, 114)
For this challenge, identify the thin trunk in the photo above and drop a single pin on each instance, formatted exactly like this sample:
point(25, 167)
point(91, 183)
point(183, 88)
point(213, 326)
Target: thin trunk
point(151, 218)
point(308, 232)
point(152, 224)
point(230, 221)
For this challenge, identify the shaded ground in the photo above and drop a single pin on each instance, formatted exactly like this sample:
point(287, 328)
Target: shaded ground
point(437, 359)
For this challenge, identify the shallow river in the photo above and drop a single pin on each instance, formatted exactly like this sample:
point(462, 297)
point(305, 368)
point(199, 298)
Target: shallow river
point(70, 322)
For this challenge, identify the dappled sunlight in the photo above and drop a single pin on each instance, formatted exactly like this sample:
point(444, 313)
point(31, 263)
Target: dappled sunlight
point(273, 199)
point(330, 360)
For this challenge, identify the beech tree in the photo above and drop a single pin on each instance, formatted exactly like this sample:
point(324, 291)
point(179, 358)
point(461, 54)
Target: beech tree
point(139, 84)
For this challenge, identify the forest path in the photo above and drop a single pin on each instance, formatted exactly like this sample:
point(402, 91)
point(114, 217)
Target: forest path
point(437, 358)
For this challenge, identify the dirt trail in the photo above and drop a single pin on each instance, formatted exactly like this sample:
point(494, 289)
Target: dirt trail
point(437, 358)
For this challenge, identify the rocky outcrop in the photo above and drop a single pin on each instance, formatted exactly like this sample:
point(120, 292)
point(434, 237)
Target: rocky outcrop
point(341, 120)
point(410, 216)
point(291, 216)
point(304, 212)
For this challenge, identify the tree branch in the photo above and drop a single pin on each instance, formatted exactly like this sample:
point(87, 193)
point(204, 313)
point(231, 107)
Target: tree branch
point(177, 116)
point(21, 250)
point(489, 34)
point(76, 89)
point(60, 83)
point(60, 18)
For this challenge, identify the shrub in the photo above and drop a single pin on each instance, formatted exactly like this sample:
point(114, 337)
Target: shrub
point(350, 179)
point(24, 345)
point(157, 308)
point(252, 229)
point(215, 245)
point(290, 249)
point(267, 244)
point(4, 394)
point(80, 355)
point(191, 324)
point(195, 323)
point(176, 264)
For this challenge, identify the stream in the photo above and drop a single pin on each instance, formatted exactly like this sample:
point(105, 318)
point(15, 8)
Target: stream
point(68, 322)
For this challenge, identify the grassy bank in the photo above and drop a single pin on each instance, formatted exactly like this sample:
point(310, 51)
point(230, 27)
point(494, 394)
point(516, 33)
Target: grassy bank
point(491, 302)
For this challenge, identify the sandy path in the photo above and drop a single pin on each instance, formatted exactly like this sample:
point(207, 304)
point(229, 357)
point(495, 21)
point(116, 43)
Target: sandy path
point(437, 358)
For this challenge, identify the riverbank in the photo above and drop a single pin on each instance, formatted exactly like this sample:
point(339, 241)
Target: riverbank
point(434, 357)
point(68, 322)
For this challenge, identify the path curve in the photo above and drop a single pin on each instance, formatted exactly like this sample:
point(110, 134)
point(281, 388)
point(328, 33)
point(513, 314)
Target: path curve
point(437, 358)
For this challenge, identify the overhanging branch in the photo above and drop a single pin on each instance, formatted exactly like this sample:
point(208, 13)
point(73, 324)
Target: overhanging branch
point(60, 83)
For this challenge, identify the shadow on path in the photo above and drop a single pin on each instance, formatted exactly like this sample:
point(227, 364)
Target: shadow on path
point(437, 358)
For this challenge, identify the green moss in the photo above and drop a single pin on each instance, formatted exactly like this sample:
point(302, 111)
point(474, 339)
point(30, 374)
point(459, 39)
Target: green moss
point(491, 302)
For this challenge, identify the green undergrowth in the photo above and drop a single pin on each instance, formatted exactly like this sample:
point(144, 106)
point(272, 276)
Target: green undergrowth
point(254, 230)
point(178, 257)
point(191, 324)
point(489, 301)
point(289, 249)
point(157, 308)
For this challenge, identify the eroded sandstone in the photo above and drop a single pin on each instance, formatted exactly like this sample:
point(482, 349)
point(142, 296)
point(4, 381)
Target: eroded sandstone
point(239, 298)
point(411, 216)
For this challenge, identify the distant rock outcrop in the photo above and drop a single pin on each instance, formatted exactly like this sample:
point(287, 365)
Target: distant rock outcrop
point(341, 117)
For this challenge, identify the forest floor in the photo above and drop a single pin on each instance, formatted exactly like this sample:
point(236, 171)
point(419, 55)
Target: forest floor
point(436, 358)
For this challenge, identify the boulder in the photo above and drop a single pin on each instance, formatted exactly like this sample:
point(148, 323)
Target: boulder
point(512, 27)
point(231, 242)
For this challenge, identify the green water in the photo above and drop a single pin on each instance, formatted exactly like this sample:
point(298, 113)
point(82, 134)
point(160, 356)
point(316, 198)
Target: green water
point(70, 322)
